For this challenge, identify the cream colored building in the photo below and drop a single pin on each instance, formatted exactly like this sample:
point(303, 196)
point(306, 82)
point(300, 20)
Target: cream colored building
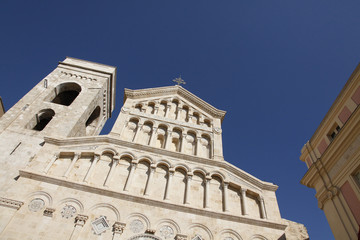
point(159, 174)
point(333, 158)
point(2, 109)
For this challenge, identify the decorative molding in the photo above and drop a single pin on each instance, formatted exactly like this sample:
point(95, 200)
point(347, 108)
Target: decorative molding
point(180, 237)
point(10, 203)
point(49, 212)
point(118, 227)
point(81, 220)
point(100, 225)
point(163, 91)
point(150, 231)
point(151, 202)
point(73, 75)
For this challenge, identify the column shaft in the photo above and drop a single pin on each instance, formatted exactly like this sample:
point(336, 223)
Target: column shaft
point(187, 189)
point(168, 185)
point(207, 188)
point(243, 201)
point(112, 169)
point(75, 158)
point(225, 189)
point(92, 166)
point(131, 174)
point(51, 163)
point(148, 184)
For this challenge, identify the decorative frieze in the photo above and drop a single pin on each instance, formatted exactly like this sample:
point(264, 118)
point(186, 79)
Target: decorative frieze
point(10, 203)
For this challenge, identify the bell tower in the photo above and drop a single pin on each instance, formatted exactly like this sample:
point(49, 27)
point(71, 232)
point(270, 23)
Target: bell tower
point(74, 100)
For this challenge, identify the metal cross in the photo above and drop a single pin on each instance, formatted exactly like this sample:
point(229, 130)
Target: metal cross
point(179, 81)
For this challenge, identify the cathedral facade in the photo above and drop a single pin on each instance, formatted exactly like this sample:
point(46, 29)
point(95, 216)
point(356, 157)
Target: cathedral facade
point(159, 174)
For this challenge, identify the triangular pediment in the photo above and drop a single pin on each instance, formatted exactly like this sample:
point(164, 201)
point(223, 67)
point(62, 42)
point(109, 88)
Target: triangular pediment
point(175, 92)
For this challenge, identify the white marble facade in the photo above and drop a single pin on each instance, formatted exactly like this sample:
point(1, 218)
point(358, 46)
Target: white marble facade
point(159, 174)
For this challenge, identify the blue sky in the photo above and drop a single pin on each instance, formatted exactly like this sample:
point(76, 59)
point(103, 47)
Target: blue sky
point(274, 66)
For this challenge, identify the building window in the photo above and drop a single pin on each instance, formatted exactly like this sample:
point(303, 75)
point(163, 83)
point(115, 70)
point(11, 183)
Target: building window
point(41, 119)
point(335, 131)
point(66, 93)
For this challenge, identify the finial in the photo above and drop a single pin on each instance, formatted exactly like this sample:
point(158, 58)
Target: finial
point(179, 81)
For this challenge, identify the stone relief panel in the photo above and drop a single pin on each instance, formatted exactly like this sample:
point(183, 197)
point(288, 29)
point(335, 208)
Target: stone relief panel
point(68, 211)
point(36, 205)
point(137, 226)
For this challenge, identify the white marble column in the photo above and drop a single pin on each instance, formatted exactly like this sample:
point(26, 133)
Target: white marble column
point(178, 113)
point(92, 166)
point(168, 185)
point(225, 192)
point(168, 107)
point(130, 177)
point(56, 156)
point(152, 136)
point(182, 142)
point(114, 163)
point(73, 161)
point(243, 201)
point(168, 140)
point(207, 189)
point(197, 145)
point(262, 207)
point(149, 181)
point(188, 187)
point(139, 127)
point(80, 221)
point(212, 149)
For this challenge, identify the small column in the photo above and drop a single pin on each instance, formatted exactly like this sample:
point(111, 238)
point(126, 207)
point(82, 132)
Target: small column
point(148, 184)
point(75, 158)
point(188, 187)
point(156, 108)
point(243, 201)
point(168, 107)
point(153, 134)
point(197, 146)
point(112, 169)
point(212, 149)
point(92, 166)
point(131, 174)
point(225, 188)
point(168, 140)
point(56, 156)
point(262, 207)
point(189, 115)
point(168, 185)
point(80, 221)
point(182, 142)
point(137, 132)
point(179, 109)
point(207, 187)
point(118, 229)
point(144, 107)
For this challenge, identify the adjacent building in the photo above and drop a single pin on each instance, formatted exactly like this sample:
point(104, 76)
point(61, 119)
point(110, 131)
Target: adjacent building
point(333, 158)
point(159, 174)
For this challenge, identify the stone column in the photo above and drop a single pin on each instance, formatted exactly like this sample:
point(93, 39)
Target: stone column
point(225, 192)
point(92, 166)
point(197, 145)
point(168, 185)
point(118, 229)
point(182, 142)
point(212, 149)
point(112, 169)
point(207, 188)
point(137, 132)
point(189, 115)
point(188, 187)
point(262, 207)
point(168, 107)
point(75, 158)
point(179, 109)
point(168, 139)
point(131, 174)
point(148, 184)
point(152, 137)
point(243, 201)
point(56, 156)
point(80, 221)
point(201, 120)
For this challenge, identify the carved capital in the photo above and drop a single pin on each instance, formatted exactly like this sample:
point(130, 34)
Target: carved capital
point(150, 231)
point(180, 237)
point(81, 220)
point(49, 212)
point(118, 227)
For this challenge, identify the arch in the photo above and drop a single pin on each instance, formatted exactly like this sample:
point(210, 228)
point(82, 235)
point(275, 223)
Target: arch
point(257, 237)
point(108, 150)
point(207, 122)
point(196, 118)
point(145, 236)
point(146, 158)
point(66, 93)
point(201, 170)
point(73, 200)
point(93, 121)
point(127, 154)
point(138, 107)
point(41, 119)
point(203, 227)
point(231, 232)
point(163, 162)
point(109, 206)
point(130, 129)
point(219, 174)
point(171, 222)
point(43, 194)
point(183, 167)
point(141, 216)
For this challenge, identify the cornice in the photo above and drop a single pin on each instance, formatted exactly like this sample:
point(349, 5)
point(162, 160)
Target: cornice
point(156, 203)
point(206, 161)
point(163, 91)
point(6, 202)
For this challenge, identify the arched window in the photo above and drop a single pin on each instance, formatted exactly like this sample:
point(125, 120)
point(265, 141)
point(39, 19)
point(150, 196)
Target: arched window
point(65, 93)
point(92, 121)
point(41, 119)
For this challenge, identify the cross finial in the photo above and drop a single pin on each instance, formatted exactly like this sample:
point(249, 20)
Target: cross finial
point(179, 81)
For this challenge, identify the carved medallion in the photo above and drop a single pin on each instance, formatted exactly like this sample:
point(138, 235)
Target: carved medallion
point(136, 226)
point(100, 225)
point(166, 232)
point(36, 204)
point(68, 211)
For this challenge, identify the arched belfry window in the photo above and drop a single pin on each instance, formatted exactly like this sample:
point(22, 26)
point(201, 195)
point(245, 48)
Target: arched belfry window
point(93, 121)
point(41, 119)
point(66, 93)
